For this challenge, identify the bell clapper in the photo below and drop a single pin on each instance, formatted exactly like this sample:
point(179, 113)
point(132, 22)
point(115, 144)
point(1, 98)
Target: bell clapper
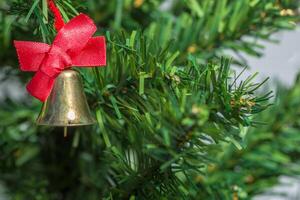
point(65, 131)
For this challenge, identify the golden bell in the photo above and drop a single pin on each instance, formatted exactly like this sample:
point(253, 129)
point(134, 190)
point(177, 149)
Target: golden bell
point(67, 104)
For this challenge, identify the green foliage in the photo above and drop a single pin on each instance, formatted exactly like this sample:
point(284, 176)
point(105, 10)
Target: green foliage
point(142, 133)
point(205, 28)
point(272, 151)
point(172, 116)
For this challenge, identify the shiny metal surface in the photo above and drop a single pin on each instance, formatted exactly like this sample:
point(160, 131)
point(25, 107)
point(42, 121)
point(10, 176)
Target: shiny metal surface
point(67, 104)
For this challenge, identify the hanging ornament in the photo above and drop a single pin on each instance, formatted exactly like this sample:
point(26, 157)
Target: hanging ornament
point(66, 105)
point(55, 83)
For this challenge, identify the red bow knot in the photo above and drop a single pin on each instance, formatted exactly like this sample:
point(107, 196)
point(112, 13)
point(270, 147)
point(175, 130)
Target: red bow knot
point(73, 46)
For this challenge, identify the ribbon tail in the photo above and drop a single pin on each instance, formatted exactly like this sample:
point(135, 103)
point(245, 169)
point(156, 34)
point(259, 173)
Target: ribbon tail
point(93, 54)
point(40, 86)
point(30, 54)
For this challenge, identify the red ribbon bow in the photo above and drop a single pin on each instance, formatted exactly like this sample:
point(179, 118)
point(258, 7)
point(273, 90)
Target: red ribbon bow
point(73, 46)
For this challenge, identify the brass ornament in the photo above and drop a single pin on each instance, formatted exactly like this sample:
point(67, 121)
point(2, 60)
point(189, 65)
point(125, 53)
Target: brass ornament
point(67, 104)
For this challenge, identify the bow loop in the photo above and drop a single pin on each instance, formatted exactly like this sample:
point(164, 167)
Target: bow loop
point(31, 54)
point(74, 36)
